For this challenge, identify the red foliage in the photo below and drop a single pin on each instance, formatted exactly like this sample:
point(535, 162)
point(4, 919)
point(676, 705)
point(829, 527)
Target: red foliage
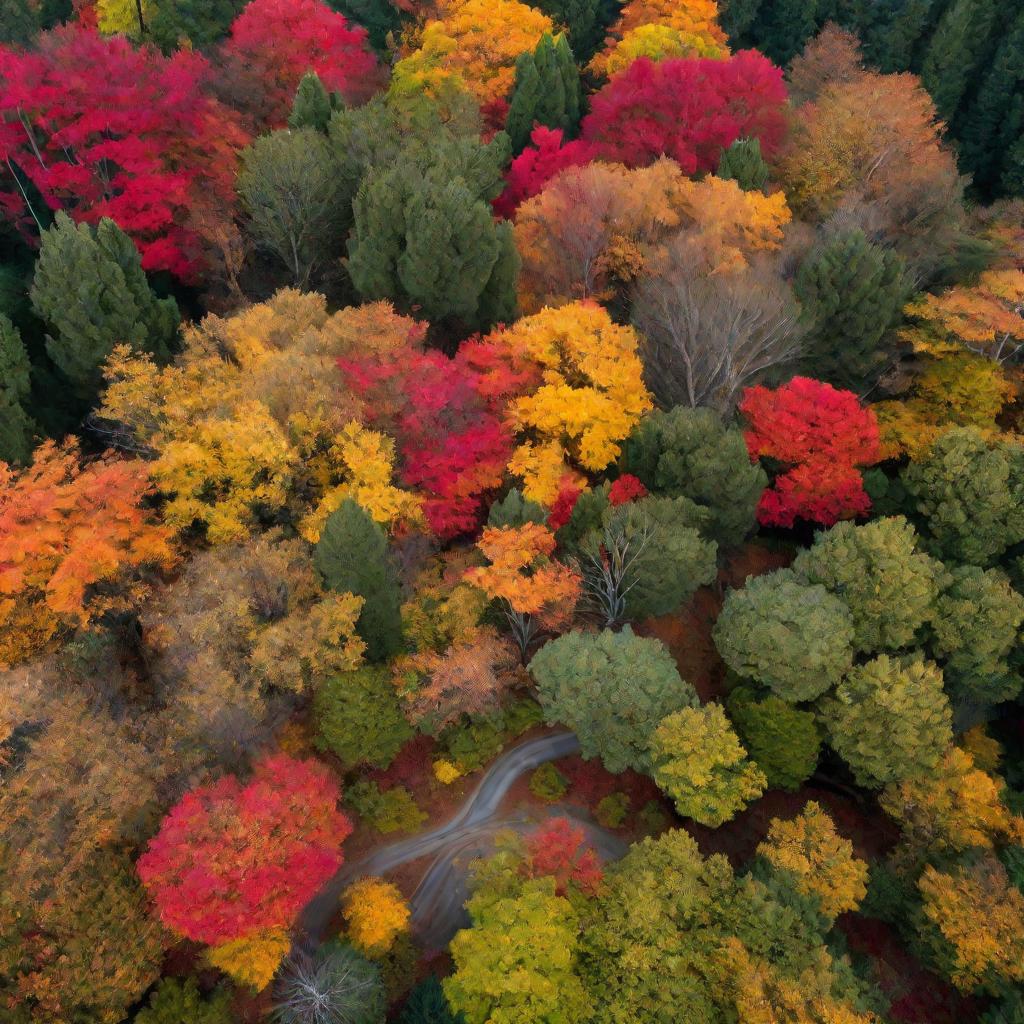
point(626, 489)
point(448, 419)
point(273, 43)
point(687, 109)
point(823, 435)
point(561, 511)
point(554, 850)
point(230, 859)
point(104, 130)
point(537, 165)
point(411, 766)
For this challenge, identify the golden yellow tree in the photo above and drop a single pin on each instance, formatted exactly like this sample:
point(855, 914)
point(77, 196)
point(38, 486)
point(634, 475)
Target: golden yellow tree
point(252, 960)
point(376, 914)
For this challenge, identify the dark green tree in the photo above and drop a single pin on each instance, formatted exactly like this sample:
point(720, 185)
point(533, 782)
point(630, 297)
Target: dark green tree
point(891, 31)
point(693, 453)
point(585, 20)
point(359, 717)
point(737, 17)
point(427, 1005)
point(1011, 180)
point(515, 510)
point(335, 976)
point(175, 1002)
point(379, 17)
point(198, 22)
point(90, 289)
point(18, 22)
point(852, 292)
point(547, 91)
point(742, 162)
point(352, 556)
point(16, 426)
point(313, 105)
point(783, 27)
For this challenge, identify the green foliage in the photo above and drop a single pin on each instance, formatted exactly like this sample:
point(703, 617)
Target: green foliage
point(199, 22)
point(548, 783)
point(428, 1005)
point(795, 638)
point(546, 92)
point(976, 628)
point(742, 162)
point(516, 962)
point(586, 21)
point(388, 810)
point(313, 105)
point(700, 763)
point(783, 27)
point(515, 510)
point(292, 200)
point(852, 292)
point(969, 496)
point(359, 718)
point(90, 289)
point(784, 741)
point(1009, 1010)
point(16, 427)
point(692, 453)
point(889, 720)
point(587, 517)
point(352, 556)
point(175, 1002)
point(611, 811)
point(336, 976)
point(889, 586)
point(18, 22)
point(612, 690)
point(380, 18)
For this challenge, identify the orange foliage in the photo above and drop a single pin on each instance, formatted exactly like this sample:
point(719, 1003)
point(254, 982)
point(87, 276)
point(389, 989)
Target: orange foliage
point(376, 914)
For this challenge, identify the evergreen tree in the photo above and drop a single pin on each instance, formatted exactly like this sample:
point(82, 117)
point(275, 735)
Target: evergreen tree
point(515, 510)
point(547, 91)
point(953, 54)
point(379, 17)
point(90, 289)
point(16, 427)
point(852, 292)
point(783, 27)
point(1011, 181)
point(428, 1005)
point(313, 105)
point(352, 556)
point(585, 20)
point(198, 22)
point(742, 162)
point(18, 22)
point(889, 31)
point(738, 16)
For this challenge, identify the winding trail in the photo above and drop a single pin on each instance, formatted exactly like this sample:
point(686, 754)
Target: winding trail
point(437, 903)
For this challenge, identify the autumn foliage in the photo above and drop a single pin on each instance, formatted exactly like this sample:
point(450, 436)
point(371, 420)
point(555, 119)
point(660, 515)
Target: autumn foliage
point(822, 436)
point(558, 850)
point(233, 859)
point(376, 914)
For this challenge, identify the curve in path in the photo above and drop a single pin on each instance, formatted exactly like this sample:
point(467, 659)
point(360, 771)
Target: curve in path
point(437, 904)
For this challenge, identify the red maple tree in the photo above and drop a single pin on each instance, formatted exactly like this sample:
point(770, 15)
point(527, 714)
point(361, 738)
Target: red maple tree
point(823, 435)
point(233, 859)
point(273, 43)
point(687, 109)
point(101, 129)
point(556, 850)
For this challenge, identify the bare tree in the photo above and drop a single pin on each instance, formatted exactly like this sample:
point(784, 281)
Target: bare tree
point(610, 568)
point(707, 335)
point(335, 985)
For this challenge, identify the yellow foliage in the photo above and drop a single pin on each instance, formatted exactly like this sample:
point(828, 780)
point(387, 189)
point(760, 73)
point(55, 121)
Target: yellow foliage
point(376, 914)
point(821, 860)
point(446, 772)
point(444, 608)
point(591, 397)
point(476, 42)
point(252, 960)
point(121, 17)
point(986, 752)
point(980, 914)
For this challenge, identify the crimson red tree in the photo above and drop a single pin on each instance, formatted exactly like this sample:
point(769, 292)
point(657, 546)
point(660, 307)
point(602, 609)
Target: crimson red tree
point(233, 859)
point(556, 849)
point(104, 130)
point(687, 109)
point(273, 43)
point(823, 435)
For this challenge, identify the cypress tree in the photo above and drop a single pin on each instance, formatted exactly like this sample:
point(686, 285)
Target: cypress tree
point(16, 428)
point(547, 91)
point(952, 56)
point(352, 556)
point(852, 292)
point(90, 289)
point(313, 105)
point(742, 162)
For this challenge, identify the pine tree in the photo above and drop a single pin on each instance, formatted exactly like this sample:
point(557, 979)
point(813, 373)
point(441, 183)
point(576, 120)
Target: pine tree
point(428, 1005)
point(199, 22)
point(585, 21)
point(742, 162)
point(352, 556)
point(852, 292)
point(547, 91)
point(737, 16)
point(380, 18)
point(16, 427)
point(90, 289)
point(18, 22)
point(890, 31)
point(313, 105)
point(952, 57)
point(783, 27)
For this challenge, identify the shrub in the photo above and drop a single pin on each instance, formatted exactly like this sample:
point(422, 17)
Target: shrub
point(548, 783)
point(389, 810)
point(612, 810)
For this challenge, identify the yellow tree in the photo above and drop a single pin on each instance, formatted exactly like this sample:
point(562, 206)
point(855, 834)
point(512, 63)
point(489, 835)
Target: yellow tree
point(376, 914)
point(124, 17)
point(591, 397)
point(820, 861)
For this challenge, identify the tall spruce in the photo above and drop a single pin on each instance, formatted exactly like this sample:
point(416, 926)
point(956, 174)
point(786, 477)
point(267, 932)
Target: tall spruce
point(783, 27)
point(742, 162)
point(313, 105)
point(18, 21)
point(16, 427)
point(547, 91)
point(380, 18)
point(90, 289)
point(352, 556)
point(585, 20)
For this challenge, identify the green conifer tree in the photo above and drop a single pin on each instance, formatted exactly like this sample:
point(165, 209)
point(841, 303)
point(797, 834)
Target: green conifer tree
point(585, 20)
point(16, 428)
point(18, 22)
point(783, 27)
point(90, 289)
point(352, 556)
point(313, 105)
point(547, 91)
point(380, 18)
point(742, 162)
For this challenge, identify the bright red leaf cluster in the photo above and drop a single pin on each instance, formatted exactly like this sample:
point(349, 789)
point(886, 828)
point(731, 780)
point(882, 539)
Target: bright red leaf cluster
point(273, 43)
point(102, 129)
point(233, 859)
point(625, 489)
point(689, 110)
point(824, 435)
point(556, 850)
